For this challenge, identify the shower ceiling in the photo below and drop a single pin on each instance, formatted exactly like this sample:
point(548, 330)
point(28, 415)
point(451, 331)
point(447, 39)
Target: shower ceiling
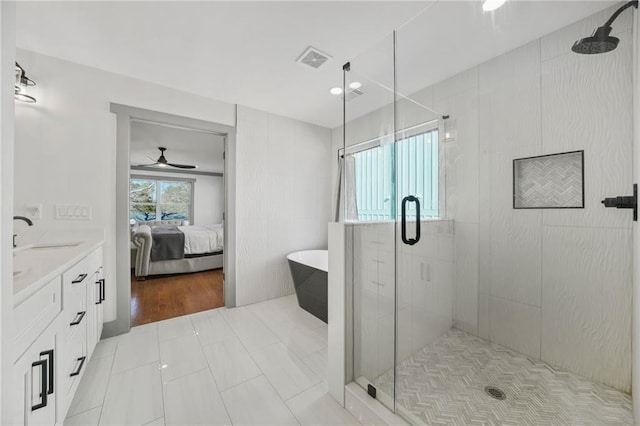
point(245, 52)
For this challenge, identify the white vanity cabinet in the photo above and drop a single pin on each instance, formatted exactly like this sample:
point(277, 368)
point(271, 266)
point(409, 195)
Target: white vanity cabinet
point(62, 323)
point(36, 354)
point(36, 382)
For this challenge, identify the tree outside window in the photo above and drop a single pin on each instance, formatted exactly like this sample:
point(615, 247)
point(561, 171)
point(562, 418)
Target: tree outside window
point(165, 199)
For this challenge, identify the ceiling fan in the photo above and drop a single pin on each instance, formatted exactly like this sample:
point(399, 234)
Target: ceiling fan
point(162, 162)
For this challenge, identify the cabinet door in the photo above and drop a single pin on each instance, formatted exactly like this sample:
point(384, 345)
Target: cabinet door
point(36, 382)
point(97, 299)
point(100, 307)
point(93, 303)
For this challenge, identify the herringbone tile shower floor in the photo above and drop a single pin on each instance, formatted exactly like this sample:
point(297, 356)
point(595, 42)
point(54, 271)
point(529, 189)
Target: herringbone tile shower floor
point(443, 384)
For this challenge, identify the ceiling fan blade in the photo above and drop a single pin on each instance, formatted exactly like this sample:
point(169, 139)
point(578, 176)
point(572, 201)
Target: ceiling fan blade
point(181, 166)
point(146, 165)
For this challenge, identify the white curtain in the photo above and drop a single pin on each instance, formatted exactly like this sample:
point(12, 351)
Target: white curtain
point(346, 166)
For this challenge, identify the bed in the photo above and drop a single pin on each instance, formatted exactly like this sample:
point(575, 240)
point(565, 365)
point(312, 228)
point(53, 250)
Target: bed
point(166, 247)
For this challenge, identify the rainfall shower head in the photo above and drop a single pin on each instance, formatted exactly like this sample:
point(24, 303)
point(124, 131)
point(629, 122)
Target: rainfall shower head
point(601, 41)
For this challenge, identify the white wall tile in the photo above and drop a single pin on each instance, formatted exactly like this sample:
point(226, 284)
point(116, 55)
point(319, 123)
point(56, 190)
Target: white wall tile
point(515, 325)
point(461, 153)
point(284, 176)
point(483, 316)
point(466, 277)
point(459, 83)
point(516, 247)
point(587, 105)
point(586, 310)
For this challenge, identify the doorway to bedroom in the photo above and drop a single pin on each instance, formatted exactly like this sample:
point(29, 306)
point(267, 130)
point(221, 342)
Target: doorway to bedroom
point(176, 219)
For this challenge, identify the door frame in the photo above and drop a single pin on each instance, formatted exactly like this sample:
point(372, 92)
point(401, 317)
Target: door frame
point(124, 115)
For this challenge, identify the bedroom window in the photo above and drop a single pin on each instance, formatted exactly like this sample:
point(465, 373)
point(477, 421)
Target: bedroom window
point(151, 198)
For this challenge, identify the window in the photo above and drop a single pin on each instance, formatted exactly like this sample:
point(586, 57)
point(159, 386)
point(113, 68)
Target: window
point(153, 198)
point(416, 174)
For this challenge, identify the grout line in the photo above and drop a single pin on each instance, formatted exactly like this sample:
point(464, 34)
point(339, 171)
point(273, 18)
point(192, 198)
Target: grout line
point(164, 408)
point(157, 418)
point(514, 301)
point(106, 392)
point(183, 376)
point(257, 365)
point(206, 360)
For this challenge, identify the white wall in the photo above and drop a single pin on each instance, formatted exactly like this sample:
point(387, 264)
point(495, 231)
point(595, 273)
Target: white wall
point(8, 397)
point(66, 143)
point(282, 199)
point(208, 191)
point(553, 284)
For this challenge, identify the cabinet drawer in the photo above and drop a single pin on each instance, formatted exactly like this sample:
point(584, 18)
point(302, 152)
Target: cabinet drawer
point(35, 314)
point(72, 365)
point(77, 275)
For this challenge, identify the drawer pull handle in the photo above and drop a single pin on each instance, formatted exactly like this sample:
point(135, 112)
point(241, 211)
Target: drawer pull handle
point(79, 279)
point(99, 283)
point(43, 384)
point(51, 361)
point(79, 369)
point(78, 319)
point(102, 292)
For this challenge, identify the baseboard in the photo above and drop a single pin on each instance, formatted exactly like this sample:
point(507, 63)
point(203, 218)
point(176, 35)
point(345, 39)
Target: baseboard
point(111, 329)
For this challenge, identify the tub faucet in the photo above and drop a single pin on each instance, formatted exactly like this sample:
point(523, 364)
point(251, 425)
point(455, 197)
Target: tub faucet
point(25, 219)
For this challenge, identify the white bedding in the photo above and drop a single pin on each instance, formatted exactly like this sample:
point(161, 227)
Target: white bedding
point(202, 239)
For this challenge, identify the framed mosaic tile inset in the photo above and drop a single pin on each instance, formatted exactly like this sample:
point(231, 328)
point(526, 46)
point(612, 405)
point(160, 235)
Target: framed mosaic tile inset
point(554, 181)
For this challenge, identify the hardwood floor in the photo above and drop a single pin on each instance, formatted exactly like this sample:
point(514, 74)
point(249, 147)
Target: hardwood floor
point(167, 296)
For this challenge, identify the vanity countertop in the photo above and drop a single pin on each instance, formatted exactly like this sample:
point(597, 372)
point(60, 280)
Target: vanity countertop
point(37, 266)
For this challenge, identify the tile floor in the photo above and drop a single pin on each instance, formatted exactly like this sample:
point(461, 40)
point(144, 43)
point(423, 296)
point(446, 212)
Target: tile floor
point(443, 384)
point(260, 364)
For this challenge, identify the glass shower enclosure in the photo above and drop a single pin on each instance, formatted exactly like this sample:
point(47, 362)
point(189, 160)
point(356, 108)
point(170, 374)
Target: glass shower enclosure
point(463, 306)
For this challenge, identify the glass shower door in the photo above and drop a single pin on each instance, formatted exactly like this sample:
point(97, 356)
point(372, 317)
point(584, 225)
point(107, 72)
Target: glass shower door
point(368, 161)
point(392, 187)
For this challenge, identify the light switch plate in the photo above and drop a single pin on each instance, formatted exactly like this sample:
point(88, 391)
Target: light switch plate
point(72, 212)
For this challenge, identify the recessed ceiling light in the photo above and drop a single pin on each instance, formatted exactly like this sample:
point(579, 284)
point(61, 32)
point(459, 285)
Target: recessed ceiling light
point(336, 91)
point(490, 5)
point(355, 85)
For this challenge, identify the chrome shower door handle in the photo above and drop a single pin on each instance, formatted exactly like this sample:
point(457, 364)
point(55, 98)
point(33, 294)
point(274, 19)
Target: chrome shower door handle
point(405, 200)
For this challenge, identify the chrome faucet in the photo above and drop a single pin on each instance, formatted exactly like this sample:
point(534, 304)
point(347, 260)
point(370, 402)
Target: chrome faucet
point(25, 219)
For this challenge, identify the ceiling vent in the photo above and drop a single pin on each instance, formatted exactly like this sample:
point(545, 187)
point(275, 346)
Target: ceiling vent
point(313, 58)
point(352, 94)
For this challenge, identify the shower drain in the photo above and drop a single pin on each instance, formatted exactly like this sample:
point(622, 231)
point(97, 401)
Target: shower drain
point(495, 392)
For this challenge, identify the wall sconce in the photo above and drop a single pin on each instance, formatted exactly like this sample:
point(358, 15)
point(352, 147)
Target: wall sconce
point(21, 84)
